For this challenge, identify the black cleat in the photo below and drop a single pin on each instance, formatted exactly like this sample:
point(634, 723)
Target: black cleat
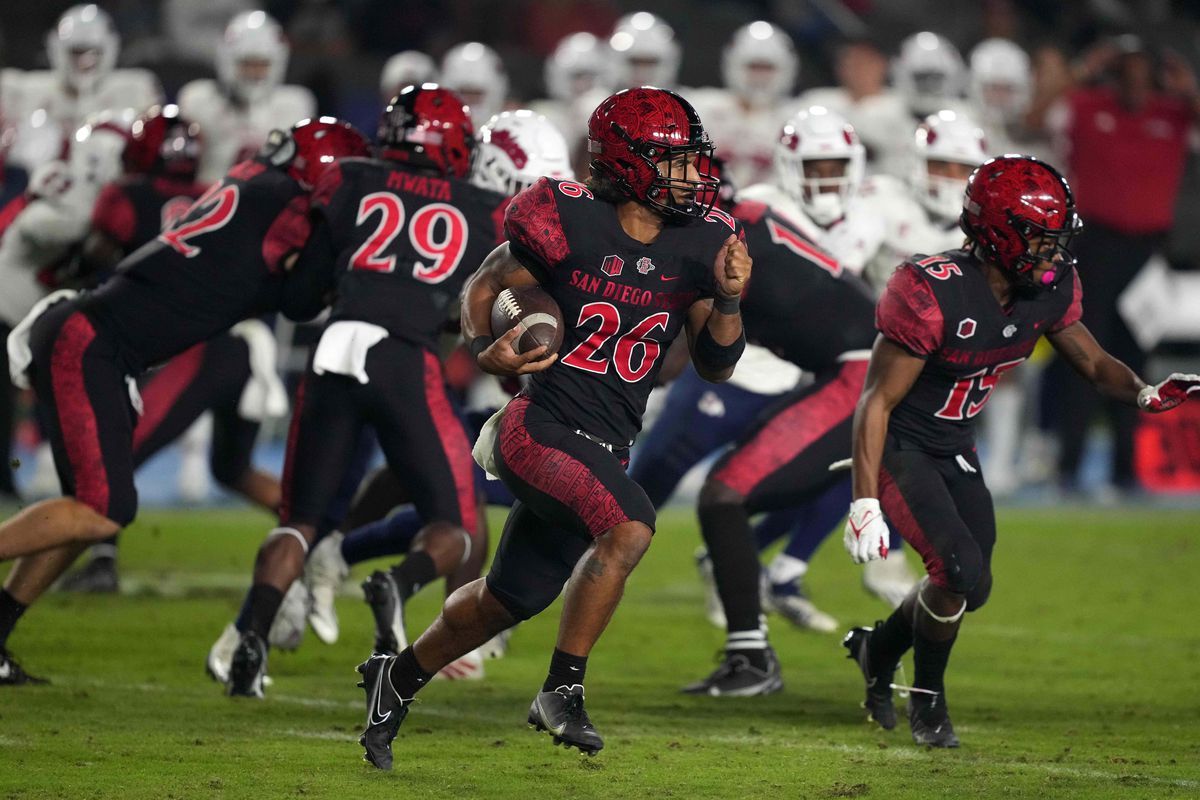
point(98, 576)
point(248, 668)
point(385, 710)
point(735, 676)
point(930, 723)
point(561, 714)
point(387, 604)
point(12, 674)
point(878, 702)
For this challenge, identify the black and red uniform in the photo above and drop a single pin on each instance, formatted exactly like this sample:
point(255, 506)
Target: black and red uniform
point(209, 376)
point(941, 309)
point(398, 243)
point(803, 306)
point(563, 444)
point(222, 262)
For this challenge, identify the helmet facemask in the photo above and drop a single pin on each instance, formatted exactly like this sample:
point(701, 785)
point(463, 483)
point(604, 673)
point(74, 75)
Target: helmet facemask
point(1041, 245)
point(670, 165)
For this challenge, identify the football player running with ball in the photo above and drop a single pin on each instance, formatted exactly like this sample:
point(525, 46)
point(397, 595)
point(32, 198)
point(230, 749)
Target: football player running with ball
point(632, 258)
point(950, 325)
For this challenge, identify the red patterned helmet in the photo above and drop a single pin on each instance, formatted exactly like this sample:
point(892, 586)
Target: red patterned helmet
point(161, 142)
point(631, 132)
point(312, 145)
point(428, 126)
point(1010, 202)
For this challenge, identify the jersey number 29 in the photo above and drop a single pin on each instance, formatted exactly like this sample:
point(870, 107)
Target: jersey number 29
point(437, 232)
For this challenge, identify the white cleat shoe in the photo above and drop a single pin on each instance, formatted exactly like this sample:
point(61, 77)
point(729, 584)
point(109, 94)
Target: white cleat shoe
point(287, 631)
point(220, 656)
point(714, 611)
point(890, 579)
point(193, 482)
point(466, 668)
point(324, 573)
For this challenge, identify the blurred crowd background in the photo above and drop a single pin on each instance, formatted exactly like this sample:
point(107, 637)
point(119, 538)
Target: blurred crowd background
point(1138, 187)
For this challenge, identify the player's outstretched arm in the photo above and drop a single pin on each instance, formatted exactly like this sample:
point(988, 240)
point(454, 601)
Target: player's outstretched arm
point(1113, 379)
point(310, 277)
point(500, 270)
point(890, 376)
point(714, 327)
point(1109, 375)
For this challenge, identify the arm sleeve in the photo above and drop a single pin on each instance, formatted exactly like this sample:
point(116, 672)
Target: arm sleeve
point(114, 215)
point(534, 229)
point(288, 233)
point(1075, 310)
point(908, 313)
point(312, 277)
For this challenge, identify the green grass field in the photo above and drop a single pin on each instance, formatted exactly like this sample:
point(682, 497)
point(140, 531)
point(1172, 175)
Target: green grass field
point(1080, 679)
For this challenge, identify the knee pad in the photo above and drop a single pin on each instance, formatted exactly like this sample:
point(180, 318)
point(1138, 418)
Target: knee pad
point(714, 494)
point(963, 568)
point(979, 595)
point(522, 601)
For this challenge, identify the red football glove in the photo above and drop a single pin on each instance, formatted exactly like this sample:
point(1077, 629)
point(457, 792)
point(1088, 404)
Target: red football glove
point(1170, 393)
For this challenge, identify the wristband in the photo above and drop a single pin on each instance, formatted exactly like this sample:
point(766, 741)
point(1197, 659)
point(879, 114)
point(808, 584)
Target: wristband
point(718, 356)
point(478, 345)
point(727, 305)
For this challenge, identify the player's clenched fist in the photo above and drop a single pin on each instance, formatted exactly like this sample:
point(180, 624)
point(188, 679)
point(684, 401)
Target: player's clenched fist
point(866, 535)
point(502, 358)
point(732, 267)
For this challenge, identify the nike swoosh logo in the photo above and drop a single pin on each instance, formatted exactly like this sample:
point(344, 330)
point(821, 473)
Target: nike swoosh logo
point(5, 670)
point(665, 278)
point(557, 729)
point(374, 713)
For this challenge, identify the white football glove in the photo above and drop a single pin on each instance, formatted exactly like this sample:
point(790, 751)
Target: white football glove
point(1170, 393)
point(866, 536)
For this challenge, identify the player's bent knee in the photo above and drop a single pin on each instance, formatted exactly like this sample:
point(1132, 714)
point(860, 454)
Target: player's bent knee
point(963, 568)
point(979, 595)
point(525, 600)
point(630, 541)
point(715, 493)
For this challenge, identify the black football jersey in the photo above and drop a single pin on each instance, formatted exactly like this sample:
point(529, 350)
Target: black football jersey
point(135, 209)
point(402, 242)
point(800, 303)
point(941, 308)
point(220, 263)
point(623, 301)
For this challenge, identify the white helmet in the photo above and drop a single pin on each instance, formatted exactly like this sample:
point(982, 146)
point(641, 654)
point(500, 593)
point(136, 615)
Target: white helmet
point(83, 47)
point(929, 72)
point(474, 72)
point(407, 68)
point(818, 134)
point(945, 136)
point(252, 36)
point(759, 64)
point(579, 64)
point(646, 51)
point(515, 148)
point(1001, 80)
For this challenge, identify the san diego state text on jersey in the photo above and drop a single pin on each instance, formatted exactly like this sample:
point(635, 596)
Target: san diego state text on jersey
point(222, 262)
point(942, 309)
point(623, 301)
point(801, 304)
point(405, 242)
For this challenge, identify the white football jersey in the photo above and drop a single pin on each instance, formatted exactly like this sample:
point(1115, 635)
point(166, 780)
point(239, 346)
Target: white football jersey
point(38, 104)
point(744, 137)
point(233, 132)
point(885, 225)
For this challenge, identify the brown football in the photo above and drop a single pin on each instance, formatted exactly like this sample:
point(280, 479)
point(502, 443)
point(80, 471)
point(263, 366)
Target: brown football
point(537, 314)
